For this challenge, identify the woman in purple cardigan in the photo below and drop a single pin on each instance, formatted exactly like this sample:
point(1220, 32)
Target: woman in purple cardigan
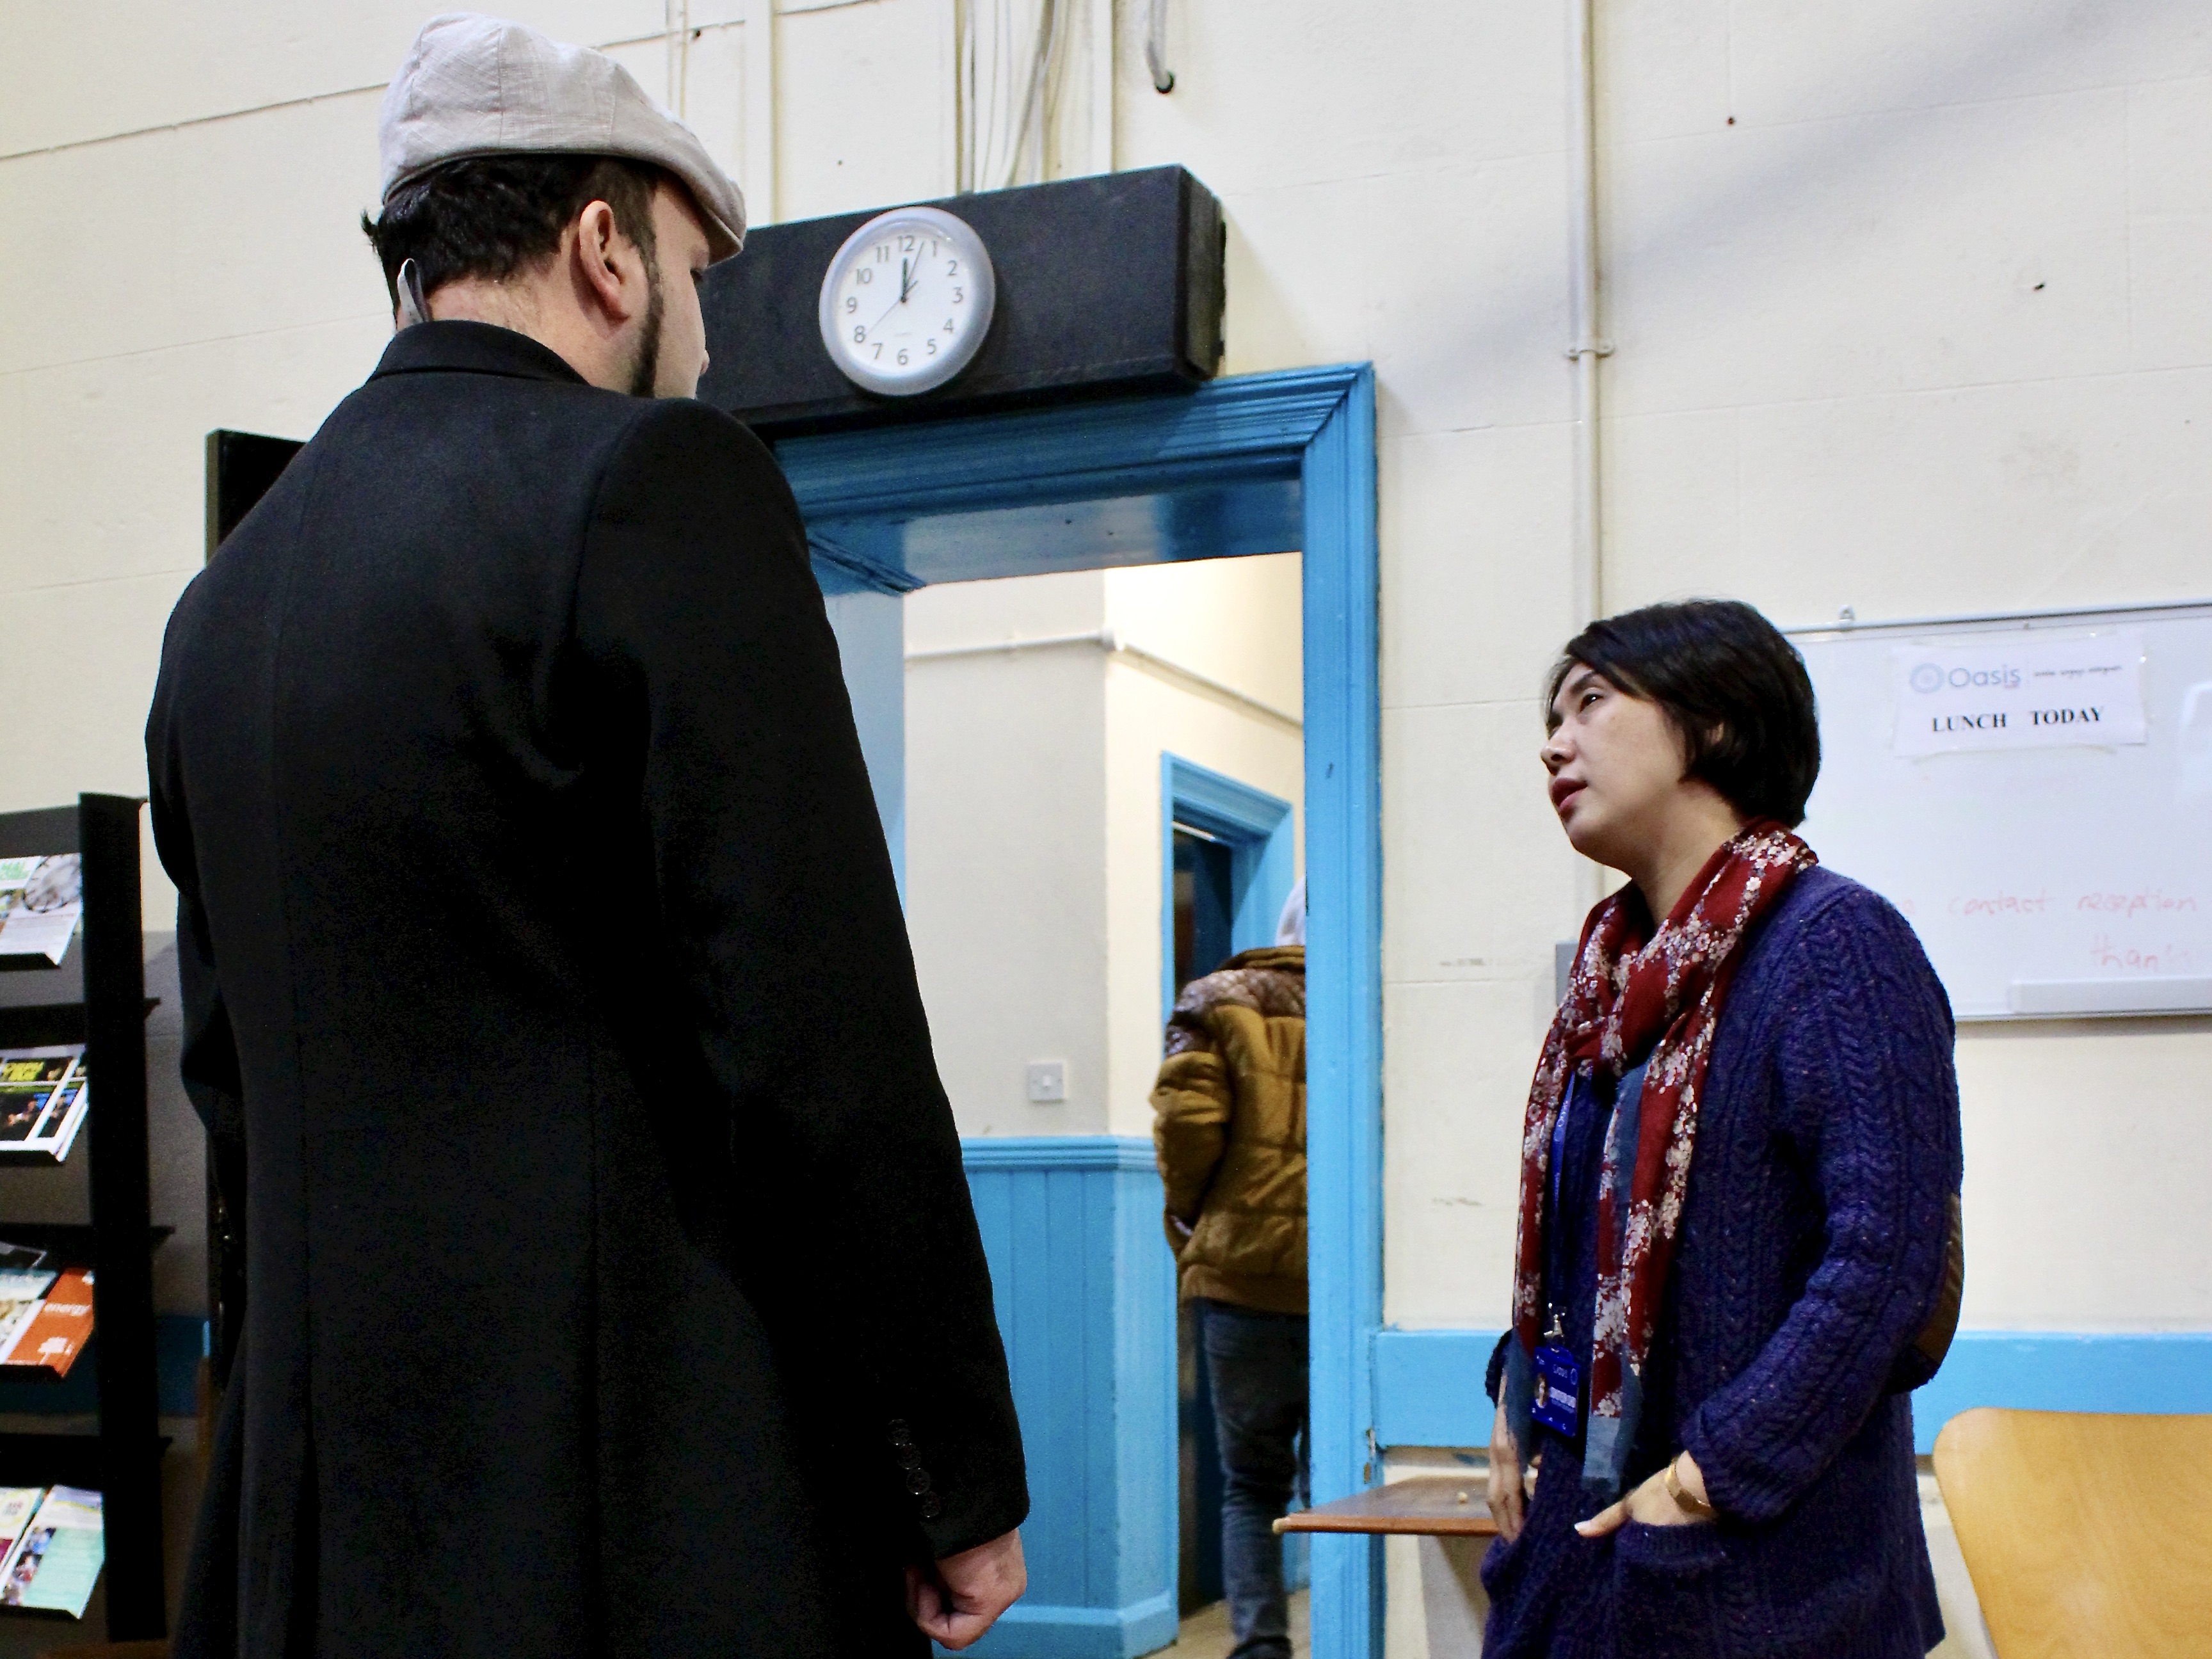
point(1739, 1236)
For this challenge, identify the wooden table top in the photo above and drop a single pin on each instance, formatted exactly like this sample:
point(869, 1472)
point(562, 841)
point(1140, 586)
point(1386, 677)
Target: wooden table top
point(1440, 1505)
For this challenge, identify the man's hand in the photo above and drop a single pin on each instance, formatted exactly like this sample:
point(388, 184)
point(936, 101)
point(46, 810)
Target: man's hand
point(1508, 1500)
point(960, 1597)
point(1652, 1504)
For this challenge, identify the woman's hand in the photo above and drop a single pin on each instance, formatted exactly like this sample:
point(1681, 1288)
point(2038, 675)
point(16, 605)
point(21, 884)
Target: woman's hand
point(1508, 1502)
point(1652, 1504)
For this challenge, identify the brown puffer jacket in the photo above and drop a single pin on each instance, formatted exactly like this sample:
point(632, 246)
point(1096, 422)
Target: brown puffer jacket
point(1230, 1127)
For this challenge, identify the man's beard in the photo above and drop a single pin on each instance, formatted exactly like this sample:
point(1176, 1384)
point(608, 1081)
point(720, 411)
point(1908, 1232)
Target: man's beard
point(645, 368)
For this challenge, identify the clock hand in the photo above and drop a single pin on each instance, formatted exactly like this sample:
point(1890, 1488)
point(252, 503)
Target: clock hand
point(888, 309)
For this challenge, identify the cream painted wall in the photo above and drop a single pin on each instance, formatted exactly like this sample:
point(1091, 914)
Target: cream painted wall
point(1237, 621)
point(1033, 849)
point(1006, 849)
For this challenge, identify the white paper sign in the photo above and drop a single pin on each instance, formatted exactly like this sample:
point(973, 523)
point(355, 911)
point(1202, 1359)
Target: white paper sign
point(2030, 692)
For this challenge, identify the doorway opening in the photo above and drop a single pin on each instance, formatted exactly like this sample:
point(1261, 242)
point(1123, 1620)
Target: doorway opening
point(1231, 850)
point(1252, 466)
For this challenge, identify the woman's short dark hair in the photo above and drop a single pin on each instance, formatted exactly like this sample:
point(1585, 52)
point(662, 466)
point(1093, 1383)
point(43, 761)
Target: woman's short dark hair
point(1735, 690)
point(492, 215)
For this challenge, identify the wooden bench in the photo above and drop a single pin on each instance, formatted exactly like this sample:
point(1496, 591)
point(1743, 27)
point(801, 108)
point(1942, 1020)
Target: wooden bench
point(1447, 1514)
point(1432, 1505)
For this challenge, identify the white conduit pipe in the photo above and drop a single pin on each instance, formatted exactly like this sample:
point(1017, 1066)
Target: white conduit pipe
point(1588, 345)
point(1113, 644)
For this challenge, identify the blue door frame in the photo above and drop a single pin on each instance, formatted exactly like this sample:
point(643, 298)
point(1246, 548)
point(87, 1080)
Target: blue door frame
point(1256, 464)
point(1262, 840)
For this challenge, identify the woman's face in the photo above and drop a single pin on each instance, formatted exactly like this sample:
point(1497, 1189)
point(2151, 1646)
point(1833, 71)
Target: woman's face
point(1617, 769)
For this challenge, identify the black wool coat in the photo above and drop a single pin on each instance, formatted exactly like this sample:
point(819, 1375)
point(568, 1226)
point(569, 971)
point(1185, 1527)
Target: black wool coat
point(613, 1287)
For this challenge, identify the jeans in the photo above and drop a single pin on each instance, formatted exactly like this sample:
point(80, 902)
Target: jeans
point(1255, 1366)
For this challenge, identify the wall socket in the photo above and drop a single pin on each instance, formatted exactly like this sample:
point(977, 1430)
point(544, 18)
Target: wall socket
point(1048, 1081)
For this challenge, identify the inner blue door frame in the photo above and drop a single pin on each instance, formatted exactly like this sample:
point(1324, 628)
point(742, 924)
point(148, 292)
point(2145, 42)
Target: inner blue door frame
point(1256, 464)
point(1261, 839)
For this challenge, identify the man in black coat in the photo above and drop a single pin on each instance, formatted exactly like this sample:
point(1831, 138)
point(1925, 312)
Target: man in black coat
point(613, 1285)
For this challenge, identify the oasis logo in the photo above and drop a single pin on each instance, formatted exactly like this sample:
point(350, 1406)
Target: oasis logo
point(1929, 677)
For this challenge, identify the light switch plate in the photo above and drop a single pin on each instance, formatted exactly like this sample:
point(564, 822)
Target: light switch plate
point(1048, 1081)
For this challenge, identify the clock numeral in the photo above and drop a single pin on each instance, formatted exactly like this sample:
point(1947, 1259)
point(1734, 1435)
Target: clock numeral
point(932, 343)
point(952, 267)
point(906, 244)
point(851, 304)
point(949, 329)
point(863, 274)
point(959, 296)
point(901, 357)
point(882, 253)
point(879, 351)
point(860, 334)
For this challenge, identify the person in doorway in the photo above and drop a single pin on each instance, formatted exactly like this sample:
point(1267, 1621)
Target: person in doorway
point(1739, 1218)
point(618, 1248)
point(1230, 1129)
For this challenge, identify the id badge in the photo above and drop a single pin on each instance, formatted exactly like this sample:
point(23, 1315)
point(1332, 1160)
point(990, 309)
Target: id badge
point(1558, 1383)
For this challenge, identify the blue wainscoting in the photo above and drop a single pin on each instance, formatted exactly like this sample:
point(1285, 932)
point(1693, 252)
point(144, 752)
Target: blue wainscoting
point(1428, 1384)
point(1085, 1292)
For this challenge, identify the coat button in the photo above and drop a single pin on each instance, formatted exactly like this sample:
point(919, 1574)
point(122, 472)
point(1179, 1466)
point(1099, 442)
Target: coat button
point(931, 1506)
point(909, 1456)
point(917, 1480)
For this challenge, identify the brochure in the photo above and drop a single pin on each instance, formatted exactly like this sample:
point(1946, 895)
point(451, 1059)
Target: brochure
point(16, 1505)
point(24, 1274)
point(43, 1100)
point(42, 899)
point(49, 1334)
point(56, 1561)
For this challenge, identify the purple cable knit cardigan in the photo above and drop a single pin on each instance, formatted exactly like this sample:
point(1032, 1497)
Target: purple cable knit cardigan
point(1812, 1249)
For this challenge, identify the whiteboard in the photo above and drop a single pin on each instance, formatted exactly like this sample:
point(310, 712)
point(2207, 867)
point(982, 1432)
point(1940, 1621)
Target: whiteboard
point(2043, 882)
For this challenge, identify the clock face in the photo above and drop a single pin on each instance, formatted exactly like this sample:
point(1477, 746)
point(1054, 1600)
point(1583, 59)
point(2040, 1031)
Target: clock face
point(907, 301)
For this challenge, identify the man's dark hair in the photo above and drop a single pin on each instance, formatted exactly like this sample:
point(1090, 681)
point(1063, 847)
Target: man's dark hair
point(1735, 690)
point(492, 215)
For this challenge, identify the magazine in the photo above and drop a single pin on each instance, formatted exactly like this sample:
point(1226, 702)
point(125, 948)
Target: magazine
point(50, 1333)
point(24, 1273)
point(17, 1503)
point(42, 899)
point(56, 1561)
point(15, 1318)
point(43, 1100)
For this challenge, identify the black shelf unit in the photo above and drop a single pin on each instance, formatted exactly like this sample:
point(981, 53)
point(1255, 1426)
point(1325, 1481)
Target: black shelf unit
point(99, 1000)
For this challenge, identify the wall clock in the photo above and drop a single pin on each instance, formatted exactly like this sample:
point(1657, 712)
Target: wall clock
point(907, 300)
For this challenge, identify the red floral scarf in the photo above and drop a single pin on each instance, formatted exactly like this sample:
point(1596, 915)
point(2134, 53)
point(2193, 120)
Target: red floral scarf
point(1627, 998)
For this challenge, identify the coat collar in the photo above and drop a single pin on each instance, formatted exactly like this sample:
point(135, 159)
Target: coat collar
point(473, 348)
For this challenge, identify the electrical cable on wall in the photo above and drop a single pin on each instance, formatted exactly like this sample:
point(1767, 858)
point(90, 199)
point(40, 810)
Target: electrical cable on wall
point(1156, 45)
point(1010, 57)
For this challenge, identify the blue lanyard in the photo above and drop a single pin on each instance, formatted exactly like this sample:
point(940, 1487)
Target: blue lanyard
point(1559, 1140)
point(1554, 1221)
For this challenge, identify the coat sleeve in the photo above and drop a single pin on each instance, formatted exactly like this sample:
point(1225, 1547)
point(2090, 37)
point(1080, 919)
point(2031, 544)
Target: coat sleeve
point(1869, 1096)
point(208, 1064)
point(1190, 1123)
point(714, 673)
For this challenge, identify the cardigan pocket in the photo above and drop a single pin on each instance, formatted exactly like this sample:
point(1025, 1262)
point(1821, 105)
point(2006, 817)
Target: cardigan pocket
point(1664, 1580)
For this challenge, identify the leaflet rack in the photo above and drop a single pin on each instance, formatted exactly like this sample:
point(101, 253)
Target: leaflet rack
point(99, 1000)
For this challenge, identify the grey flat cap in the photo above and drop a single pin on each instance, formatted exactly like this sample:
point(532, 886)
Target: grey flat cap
point(481, 86)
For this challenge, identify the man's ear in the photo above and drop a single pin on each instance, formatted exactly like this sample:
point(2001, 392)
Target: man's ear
point(608, 268)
